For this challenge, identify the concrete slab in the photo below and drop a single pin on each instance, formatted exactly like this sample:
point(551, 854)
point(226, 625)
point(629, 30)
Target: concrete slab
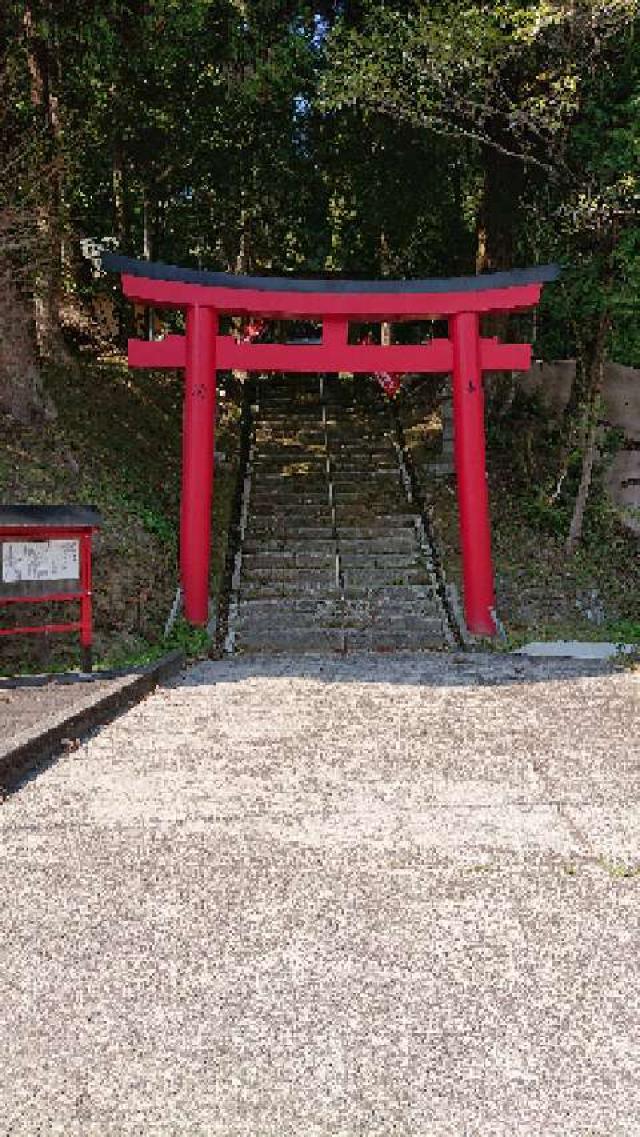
point(41, 714)
point(576, 649)
point(379, 896)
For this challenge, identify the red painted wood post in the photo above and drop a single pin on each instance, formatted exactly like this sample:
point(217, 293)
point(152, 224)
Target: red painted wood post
point(473, 497)
point(86, 601)
point(198, 436)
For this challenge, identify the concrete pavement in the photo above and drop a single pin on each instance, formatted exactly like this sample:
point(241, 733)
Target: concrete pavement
point(373, 895)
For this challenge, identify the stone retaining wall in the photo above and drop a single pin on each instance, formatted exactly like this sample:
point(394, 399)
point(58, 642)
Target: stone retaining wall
point(621, 396)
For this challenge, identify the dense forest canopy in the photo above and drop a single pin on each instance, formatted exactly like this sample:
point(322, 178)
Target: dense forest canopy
point(365, 138)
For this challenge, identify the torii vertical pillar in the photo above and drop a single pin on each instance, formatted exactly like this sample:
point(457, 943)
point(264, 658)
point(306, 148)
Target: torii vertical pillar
point(198, 440)
point(471, 473)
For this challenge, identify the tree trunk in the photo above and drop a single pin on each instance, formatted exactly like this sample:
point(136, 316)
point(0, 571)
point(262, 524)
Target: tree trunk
point(42, 65)
point(594, 376)
point(577, 519)
point(495, 241)
point(503, 180)
point(120, 219)
point(147, 252)
point(21, 392)
point(243, 257)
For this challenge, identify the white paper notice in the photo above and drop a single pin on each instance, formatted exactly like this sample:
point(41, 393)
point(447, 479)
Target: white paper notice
point(40, 560)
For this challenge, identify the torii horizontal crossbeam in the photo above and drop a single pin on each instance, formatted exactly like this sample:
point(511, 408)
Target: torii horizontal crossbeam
point(433, 358)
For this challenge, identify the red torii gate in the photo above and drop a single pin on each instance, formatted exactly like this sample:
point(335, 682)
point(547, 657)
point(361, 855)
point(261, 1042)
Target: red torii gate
point(201, 351)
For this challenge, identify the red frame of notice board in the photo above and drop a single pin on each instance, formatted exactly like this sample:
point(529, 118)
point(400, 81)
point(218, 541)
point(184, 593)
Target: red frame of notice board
point(83, 593)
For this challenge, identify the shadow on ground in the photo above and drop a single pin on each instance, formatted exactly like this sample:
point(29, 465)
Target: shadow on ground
point(432, 669)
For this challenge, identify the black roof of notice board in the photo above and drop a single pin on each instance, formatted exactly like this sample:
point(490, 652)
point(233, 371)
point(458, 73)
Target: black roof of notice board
point(62, 516)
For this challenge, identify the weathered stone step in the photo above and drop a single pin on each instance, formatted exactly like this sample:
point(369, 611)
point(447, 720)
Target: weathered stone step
point(285, 489)
point(359, 512)
point(343, 459)
point(301, 587)
point(292, 435)
point(289, 521)
point(359, 438)
point(282, 612)
point(276, 607)
point(301, 639)
point(396, 541)
point(366, 492)
point(289, 424)
point(290, 392)
point(353, 449)
point(355, 428)
point(392, 594)
point(286, 620)
point(386, 604)
point(422, 637)
point(308, 418)
point(287, 559)
point(293, 384)
point(367, 498)
point(292, 547)
point(357, 578)
point(272, 475)
point(386, 466)
point(281, 500)
point(278, 564)
point(290, 396)
point(278, 515)
point(385, 521)
point(291, 454)
point(374, 576)
point(273, 461)
point(274, 567)
point(391, 563)
point(305, 588)
point(388, 475)
point(316, 639)
point(264, 530)
point(376, 606)
point(313, 586)
point(381, 556)
point(283, 413)
point(274, 479)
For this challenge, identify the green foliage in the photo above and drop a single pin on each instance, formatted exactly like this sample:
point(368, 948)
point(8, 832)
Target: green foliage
point(160, 525)
point(625, 631)
point(193, 641)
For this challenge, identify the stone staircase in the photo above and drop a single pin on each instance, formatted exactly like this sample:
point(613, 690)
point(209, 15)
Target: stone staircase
point(333, 557)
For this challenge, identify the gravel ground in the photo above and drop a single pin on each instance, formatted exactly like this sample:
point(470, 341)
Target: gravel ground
point(362, 897)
